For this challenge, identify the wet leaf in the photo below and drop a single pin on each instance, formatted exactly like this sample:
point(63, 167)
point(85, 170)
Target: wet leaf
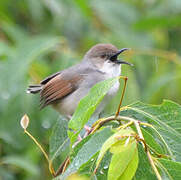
point(121, 161)
point(166, 118)
point(111, 141)
point(89, 103)
point(88, 150)
point(131, 168)
point(59, 140)
point(170, 169)
point(144, 170)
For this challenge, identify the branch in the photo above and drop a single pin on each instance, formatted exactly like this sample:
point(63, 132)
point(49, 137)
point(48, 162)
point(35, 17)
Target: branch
point(148, 153)
point(137, 123)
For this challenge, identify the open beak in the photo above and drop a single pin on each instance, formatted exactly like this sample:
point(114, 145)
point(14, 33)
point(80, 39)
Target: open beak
point(121, 61)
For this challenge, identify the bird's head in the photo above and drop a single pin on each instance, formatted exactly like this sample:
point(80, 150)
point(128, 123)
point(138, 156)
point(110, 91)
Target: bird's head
point(100, 54)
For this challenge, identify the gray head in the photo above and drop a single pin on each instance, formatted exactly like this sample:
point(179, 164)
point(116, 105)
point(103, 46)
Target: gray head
point(101, 53)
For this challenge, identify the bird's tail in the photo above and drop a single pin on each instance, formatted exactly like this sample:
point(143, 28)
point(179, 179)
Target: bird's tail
point(34, 89)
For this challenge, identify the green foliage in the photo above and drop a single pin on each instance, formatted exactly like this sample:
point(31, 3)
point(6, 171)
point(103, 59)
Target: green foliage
point(124, 163)
point(166, 120)
point(59, 141)
point(171, 169)
point(88, 151)
point(88, 105)
point(38, 38)
point(23, 163)
point(161, 133)
point(112, 143)
point(144, 169)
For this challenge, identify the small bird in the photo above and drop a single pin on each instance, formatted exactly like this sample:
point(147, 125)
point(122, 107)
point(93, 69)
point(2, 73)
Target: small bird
point(64, 90)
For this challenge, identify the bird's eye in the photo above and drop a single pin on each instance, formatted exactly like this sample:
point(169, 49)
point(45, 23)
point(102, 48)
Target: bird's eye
point(103, 56)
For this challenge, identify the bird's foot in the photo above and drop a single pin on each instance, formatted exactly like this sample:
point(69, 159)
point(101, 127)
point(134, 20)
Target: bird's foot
point(88, 131)
point(79, 138)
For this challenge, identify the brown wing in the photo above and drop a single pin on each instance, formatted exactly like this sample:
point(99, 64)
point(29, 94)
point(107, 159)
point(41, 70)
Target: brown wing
point(44, 81)
point(57, 88)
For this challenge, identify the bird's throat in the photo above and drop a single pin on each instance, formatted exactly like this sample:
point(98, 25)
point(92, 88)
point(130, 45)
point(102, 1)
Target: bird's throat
point(111, 69)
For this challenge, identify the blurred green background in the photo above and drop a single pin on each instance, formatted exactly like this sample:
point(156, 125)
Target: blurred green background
point(40, 37)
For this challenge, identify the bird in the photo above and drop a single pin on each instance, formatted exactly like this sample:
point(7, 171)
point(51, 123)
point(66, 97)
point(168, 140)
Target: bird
point(63, 90)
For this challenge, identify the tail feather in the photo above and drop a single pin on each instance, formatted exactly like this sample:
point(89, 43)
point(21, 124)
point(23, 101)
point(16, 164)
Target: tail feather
point(34, 89)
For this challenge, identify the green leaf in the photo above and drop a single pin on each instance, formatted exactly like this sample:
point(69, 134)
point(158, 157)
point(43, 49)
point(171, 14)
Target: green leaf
point(22, 163)
point(76, 149)
point(111, 141)
point(89, 103)
point(158, 22)
point(73, 136)
point(144, 170)
point(89, 167)
point(25, 54)
point(6, 174)
point(121, 161)
point(84, 7)
point(121, 146)
point(152, 140)
point(88, 150)
point(5, 50)
point(171, 169)
point(156, 83)
point(14, 32)
point(131, 168)
point(166, 119)
point(59, 140)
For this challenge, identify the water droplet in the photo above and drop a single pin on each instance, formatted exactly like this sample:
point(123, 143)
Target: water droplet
point(144, 126)
point(105, 167)
point(46, 124)
point(92, 159)
point(127, 141)
point(101, 171)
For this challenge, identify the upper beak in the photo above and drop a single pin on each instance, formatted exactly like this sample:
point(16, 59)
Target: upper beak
point(121, 50)
point(121, 61)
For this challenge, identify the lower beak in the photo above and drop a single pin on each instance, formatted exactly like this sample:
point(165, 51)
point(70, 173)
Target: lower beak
point(123, 62)
point(117, 61)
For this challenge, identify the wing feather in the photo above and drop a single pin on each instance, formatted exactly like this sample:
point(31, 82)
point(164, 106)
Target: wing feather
point(57, 88)
point(47, 79)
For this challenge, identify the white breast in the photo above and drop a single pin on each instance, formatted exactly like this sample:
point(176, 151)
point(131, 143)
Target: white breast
point(112, 70)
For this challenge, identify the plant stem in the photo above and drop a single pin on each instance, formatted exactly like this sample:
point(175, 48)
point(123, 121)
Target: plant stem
point(43, 151)
point(137, 125)
point(148, 153)
point(62, 167)
point(122, 96)
point(101, 122)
